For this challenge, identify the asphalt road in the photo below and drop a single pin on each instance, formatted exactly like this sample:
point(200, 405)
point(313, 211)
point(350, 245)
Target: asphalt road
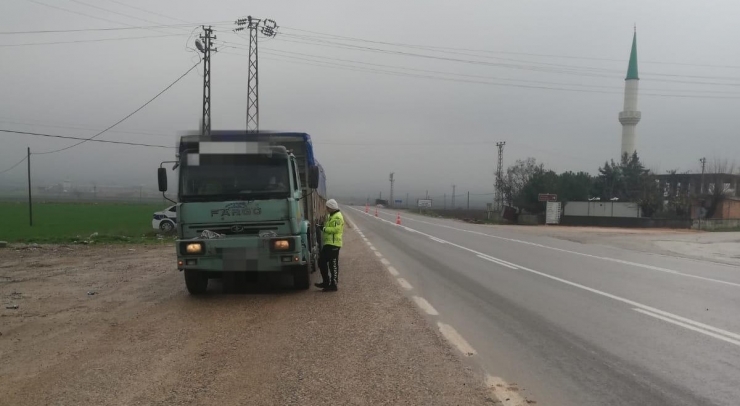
point(568, 323)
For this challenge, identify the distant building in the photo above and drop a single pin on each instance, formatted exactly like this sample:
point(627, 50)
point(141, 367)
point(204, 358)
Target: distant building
point(699, 194)
point(690, 184)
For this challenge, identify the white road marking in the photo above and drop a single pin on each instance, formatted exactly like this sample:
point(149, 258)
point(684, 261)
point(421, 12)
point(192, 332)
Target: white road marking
point(404, 284)
point(424, 305)
point(691, 327)
point(678, 320)
point(385, 262)
point(378, 254)
point(372, 248)
point(437, 240)
point(497, 261)
point(619, 261)
point(451, 335)
point(393, 271)
point(507, 394)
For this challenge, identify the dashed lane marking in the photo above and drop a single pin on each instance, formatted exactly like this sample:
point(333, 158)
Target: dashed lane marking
point(385, 262)
point(451, 335)
point(507, 394)
point(426, 306)
point(404, 284)
point(392, 271)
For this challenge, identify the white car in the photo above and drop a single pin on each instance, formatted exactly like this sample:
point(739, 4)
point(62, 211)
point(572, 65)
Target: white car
point(165, 220)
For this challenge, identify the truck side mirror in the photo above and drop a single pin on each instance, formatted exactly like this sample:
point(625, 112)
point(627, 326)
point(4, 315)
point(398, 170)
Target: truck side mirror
point(162, 179)
point(313, 177)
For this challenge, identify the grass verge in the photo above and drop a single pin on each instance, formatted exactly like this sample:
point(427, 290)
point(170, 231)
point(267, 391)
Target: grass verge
point(85, 223)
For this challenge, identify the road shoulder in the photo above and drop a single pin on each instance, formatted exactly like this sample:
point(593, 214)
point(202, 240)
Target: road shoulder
point(140, 339)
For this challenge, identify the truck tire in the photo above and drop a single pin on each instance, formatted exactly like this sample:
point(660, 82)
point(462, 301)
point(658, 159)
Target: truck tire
point(196, 281)
point(302, 277)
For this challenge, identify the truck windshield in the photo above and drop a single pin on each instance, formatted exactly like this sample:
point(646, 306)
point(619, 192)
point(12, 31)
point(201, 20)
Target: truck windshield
point(234, 177)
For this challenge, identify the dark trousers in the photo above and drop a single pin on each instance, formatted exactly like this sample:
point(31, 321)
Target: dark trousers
point(329, 265)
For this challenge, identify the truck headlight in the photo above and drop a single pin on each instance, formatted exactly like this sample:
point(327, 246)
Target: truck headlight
point(280, 245)
point(194, 248)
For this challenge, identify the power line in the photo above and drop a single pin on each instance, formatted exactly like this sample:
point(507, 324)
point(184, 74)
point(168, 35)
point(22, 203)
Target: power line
point(403, 74)
point(149, 11)
point(83, 140)
point(113, 11)
point(565, 69)
point(90, 40)
point(125, 118)
point(431, 47)
point(321, 58)
point(143, 27)
point(81, 128)
point(526, 81)
point(66, 10)
point(12, 167)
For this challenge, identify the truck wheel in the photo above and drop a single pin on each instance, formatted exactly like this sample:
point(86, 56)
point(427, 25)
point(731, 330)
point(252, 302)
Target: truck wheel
point(196, 281)
point(302, 278)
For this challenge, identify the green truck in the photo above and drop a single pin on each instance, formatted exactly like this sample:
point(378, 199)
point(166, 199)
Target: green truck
point(247, 203)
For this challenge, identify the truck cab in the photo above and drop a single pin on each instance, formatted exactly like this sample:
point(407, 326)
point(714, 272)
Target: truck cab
point(246, 203)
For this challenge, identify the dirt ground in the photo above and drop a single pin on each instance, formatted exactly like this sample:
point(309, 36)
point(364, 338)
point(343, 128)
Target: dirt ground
point(114, 325)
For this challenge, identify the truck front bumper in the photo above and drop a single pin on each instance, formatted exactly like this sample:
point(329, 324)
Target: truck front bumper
point(241, 254)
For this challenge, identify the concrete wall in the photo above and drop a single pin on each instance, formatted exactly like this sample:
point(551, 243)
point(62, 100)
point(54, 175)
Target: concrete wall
point(716, 224)
point(625, 222)
point(530, 219)
point(602, 209)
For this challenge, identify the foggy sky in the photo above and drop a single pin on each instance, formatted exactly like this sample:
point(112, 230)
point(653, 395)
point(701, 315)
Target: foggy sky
point(444, 132)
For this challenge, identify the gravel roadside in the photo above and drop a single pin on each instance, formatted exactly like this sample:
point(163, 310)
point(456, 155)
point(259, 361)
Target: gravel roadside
point(114, 325)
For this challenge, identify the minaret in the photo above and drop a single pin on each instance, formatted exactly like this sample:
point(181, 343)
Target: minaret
point(630, 116)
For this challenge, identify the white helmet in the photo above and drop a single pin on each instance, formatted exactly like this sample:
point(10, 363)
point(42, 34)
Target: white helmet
point(332, 204)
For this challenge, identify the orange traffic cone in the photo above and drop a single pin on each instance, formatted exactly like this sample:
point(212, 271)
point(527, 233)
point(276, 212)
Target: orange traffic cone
point(376, 212)
point(398, 218)
point(366, 208)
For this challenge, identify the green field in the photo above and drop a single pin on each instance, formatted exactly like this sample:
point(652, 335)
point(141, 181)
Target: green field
point(75, 222)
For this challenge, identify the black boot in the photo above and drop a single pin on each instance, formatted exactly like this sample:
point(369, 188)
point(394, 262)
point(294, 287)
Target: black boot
point(321, 285)
point(330, 288)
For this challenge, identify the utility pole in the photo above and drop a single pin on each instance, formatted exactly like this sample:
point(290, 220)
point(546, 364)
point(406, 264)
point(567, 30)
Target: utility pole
point(445, 206)
point(392, 203)
point(499, 177)
point(30, 203)
point(268, 28)
point(703, 164)
point(453, 197)
point(468, 200)
point(204, 43)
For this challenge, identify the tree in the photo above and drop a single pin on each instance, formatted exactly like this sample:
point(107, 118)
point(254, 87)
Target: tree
point(634, 178)
point(608, 181)
point(575, 186)
point(676, 195)
point(541, 181)
point(517, 176)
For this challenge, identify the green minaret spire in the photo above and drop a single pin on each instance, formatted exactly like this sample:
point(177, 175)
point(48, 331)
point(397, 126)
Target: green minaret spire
point(632, 68)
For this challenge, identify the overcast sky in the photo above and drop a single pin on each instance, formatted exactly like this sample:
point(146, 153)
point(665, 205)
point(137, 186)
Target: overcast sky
point(547, 77)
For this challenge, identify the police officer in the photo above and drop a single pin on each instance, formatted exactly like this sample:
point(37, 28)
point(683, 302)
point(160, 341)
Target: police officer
point(332, 240)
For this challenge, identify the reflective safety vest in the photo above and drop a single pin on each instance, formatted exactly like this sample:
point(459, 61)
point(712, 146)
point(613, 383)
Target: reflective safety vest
point(333, 229)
